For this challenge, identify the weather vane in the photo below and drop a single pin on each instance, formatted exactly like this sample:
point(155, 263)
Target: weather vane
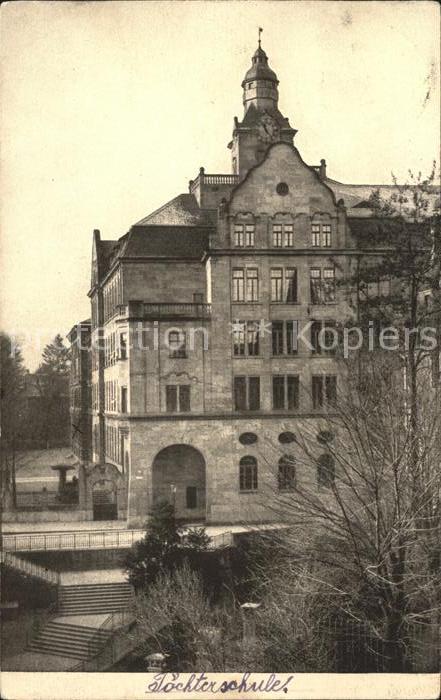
point(260, 32)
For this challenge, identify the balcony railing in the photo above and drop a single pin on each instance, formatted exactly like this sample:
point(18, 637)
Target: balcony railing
point(145, 310)
point(213, 179)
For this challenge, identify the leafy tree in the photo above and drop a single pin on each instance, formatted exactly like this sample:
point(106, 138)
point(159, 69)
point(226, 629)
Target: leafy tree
point(12, 416)
point(52, 381)
point(55, 357)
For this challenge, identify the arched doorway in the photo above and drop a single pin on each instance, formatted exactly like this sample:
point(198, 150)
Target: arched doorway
point(104, 500)
point(178, 476)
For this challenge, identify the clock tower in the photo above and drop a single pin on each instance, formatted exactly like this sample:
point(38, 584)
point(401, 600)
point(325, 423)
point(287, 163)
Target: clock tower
point(262, 123)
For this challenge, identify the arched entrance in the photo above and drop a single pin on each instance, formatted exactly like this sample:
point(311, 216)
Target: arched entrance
point(104, 500)
point(178, 476)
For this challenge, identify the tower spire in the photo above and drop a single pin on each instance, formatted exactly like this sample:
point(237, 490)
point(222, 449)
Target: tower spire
point(260, 32)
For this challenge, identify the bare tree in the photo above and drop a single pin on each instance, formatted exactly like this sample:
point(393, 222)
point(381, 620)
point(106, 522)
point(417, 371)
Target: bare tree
point(354, 508)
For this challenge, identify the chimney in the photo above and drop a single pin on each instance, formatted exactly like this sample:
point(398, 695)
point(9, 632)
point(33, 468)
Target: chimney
point(322, 170)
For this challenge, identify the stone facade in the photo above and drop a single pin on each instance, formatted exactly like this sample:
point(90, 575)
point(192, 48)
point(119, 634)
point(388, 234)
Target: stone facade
point(202, 423)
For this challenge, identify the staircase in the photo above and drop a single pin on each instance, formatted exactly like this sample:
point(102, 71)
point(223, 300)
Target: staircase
point(94, 598)
point(73, 641)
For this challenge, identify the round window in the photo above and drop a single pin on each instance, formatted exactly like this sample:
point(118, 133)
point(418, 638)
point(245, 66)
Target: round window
point(248, 438)
point(285, 438)
point(282, 188)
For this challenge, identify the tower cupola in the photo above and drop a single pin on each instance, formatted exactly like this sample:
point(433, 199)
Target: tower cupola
point(260, 83)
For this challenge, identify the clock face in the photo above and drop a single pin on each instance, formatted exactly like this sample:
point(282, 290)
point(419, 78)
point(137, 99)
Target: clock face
point(268, 129)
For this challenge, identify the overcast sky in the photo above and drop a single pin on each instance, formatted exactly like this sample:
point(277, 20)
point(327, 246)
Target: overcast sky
point(109, 108)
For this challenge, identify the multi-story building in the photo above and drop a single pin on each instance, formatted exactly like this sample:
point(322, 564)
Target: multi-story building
point(200, 377)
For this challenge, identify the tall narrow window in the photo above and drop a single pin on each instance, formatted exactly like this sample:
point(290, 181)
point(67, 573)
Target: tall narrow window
point(239, 235)
point(315, 285)
point(248, 474)
point(292, 392)
point(254, 393)
point(326, 235)
point(331, 390)
point(286, 473)
point(239, 338)
point(317, 391)
point(249, 235)
point(277, 235)
point(328, 285)
point(171, 398)
point(184, 398)
point(291, 285)
point(278, 393)
point(277, 337)
point(316, 327)
point(123, 346)
point(315, 235)
point(252, 338)
point(240, 393)
point(276, 284)
point(288, 236)
point(326, 470)
point(123, 399)
point(291, 337)
point(238, 284)
point(252, 284)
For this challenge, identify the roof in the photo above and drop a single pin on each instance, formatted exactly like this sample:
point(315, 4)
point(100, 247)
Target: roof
point(260, 69)
point(357, 196)
point(167, 241)
point(253, 116)
point(183, 210)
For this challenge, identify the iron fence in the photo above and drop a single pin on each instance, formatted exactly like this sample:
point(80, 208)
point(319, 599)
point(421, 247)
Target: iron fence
point(87, 539)
point(30, 568)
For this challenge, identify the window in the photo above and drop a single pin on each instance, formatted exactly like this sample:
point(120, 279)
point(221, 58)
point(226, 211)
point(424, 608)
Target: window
point(277, 337)
point(238, 235)
point(246, 338)
point(291, 285)
point(289, 236)
point(283, 235)
point(247, 393)
point(251, 275)
point(177, 344)
point(123, 399)
point(277, 235)
point(248, 474)
point(324, 391)
point(328, 285)
point(325, 470)
point(198, 298)
point(315, 284)
point(276, 284)
point(123, 346)
point(244, 235)
point(284, 337)
point(238, 284)
point(249, 235)
point(252, 284)
point(285, 392)
point(252, 338)
point(326, 235)
point(326, 341)
point(286, 473)
point(321, 235)
point(177, 398)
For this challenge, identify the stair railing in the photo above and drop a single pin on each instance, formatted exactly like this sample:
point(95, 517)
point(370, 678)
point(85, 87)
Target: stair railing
point(115, 621)
point(30, 568)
